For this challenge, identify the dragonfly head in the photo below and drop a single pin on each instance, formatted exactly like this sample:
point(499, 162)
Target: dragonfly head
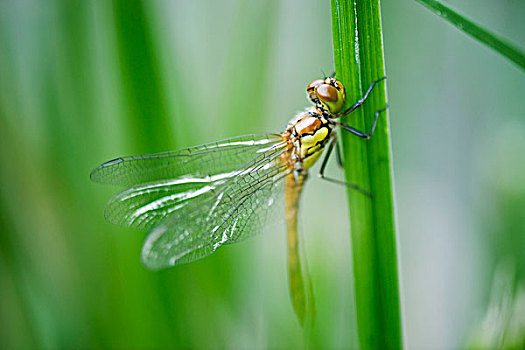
point(328, 93)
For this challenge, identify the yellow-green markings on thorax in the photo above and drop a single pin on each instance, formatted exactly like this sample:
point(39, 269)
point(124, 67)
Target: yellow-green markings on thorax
point(313, 131)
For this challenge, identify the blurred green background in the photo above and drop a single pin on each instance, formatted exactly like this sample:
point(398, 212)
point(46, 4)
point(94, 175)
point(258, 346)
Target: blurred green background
point(84, 82)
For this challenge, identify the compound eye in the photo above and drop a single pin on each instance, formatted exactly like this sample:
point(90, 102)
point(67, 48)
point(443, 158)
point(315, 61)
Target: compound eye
point(327, 93)
point(330, 97)
point(310, 90)
point(314, 84)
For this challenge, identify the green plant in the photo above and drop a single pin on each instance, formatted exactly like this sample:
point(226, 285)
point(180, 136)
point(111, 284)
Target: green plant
point(498, 44)
point(358, 54)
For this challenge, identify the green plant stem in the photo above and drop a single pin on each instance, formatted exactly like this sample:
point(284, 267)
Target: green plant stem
point(358, 55)
point(500, 45)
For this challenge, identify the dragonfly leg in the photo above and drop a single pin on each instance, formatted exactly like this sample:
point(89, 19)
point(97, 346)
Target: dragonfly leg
point(362, 100)
point(338, 153)
point(347, 184)
point(362, 134)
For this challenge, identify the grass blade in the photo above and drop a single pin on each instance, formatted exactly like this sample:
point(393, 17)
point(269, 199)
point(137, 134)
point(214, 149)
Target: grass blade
point(500, 45)
point(145, 97)
point(358, 55)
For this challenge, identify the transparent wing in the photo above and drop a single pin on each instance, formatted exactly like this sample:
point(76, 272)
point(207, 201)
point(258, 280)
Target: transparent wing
point(231, 212)
point(200, 161)
point(145, 205)
point(192, 215)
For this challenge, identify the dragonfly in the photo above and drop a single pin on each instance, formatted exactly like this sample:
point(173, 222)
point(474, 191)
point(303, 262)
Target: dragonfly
point(197, 199)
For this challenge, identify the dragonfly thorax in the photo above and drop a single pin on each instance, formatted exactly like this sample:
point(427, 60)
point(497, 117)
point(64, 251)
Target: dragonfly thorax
point(307, 135)
point(328, 95)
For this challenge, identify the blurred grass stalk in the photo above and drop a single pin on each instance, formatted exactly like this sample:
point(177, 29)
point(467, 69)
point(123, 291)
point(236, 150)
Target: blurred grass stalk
point(498, 44)
point(358, 55)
